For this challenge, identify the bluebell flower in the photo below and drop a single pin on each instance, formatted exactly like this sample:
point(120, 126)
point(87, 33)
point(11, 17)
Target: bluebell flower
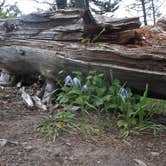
point(85, 89)
point(76, 82)
point(68, 81)
point(123, 93)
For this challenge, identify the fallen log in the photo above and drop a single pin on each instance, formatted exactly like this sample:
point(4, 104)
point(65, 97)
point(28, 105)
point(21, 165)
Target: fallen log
point(50, 42)
point(62, 25)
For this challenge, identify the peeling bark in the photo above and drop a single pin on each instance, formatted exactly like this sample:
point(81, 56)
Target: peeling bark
point(49, 42)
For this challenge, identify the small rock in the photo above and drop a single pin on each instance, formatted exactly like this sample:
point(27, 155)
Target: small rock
point(140, 162)
point(1, 87)
point(71, 158)
point(143, 37)
point(19, 153)
point(155, 154)
point(149, 145)
point(28, 148)
point(24, 143)
point(19, 84)
point(98, 162)
point(3, 142)
point(66, 158)
point(67, 143)
point(5, 78)
point(13, 142)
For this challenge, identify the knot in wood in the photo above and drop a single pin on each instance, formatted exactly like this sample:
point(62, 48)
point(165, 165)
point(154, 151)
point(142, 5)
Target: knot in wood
point(9, 27)
point(21, 52)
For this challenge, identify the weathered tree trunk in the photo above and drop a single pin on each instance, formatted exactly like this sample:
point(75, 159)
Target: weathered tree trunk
point(49, 42)
point(153, 11)
point(144, 11)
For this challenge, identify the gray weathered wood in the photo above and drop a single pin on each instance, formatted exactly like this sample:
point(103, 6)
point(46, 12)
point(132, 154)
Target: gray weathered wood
point(49, 42)
point(49, 62)
point(63, 25)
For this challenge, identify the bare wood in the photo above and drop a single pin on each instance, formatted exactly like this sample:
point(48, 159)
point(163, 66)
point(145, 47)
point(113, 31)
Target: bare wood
point(49, 42)
point(37, 60)
point(62, 25)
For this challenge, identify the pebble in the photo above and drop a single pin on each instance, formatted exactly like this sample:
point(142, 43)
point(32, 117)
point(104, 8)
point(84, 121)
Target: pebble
point(155, 154)
point(140, 162)
point(28, 148)
point(3, 142)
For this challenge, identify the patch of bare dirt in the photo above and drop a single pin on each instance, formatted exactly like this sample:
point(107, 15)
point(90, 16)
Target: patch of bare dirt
point(151, 36)
point(24, 147)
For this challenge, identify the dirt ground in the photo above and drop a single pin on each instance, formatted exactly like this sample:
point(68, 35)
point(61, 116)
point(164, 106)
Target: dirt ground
point(24, 147)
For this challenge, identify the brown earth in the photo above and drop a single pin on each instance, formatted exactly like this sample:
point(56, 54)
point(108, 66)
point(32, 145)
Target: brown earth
point(25, 147)
point(151, 36)
point(143, 37)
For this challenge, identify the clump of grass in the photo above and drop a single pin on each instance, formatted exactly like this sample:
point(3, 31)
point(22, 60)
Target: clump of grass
point(64, 121)
point(61, 122)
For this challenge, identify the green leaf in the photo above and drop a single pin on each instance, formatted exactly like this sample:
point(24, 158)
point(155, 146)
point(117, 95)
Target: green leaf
point(79, 101)
point(98, 101)
point(90, 105)
point(122, 123)
point(64, 99)
point(100, 91)
point(107, 98)
point(113, 106)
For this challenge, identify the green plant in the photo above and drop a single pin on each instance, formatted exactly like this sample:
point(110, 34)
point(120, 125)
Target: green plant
point(158, 104)
point(99, 96)
point(85, 40)
point(136, 112)
point(152, 126)
point(132, 111)
point(54, 125)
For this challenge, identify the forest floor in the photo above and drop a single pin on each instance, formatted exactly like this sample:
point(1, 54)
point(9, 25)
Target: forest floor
point(21, 145)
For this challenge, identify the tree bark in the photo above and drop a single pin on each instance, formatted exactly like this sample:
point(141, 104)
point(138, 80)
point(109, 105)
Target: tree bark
point(49, 42)
point(153, 12)
point(144, 11)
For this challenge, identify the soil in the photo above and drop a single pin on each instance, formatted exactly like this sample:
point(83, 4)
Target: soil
point(150, 36)
point(24, 146)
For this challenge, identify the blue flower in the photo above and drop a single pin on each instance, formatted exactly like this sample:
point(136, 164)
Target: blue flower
point(123, 93)
point(76, 82)
point(85, 89)
point(68, 81)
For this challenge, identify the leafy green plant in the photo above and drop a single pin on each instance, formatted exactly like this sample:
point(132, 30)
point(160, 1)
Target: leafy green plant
point(98, 96)
point(93, 93)
point(154, 127)
point(136, 112)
